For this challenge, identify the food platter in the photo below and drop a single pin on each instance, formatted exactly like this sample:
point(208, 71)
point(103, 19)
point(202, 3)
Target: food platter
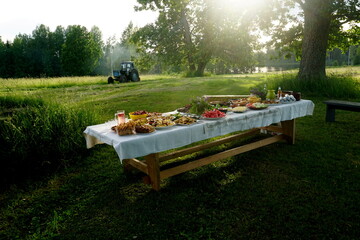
point(204, 118)
point(257, 106)
point(213, 115)
point(179, 124)
point(165, 127)
point(185, 121)
point(186, 124)
point(239, 109)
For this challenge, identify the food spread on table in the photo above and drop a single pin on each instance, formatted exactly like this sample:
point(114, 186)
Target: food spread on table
point(287, 99)
point(138, 114)
point(127, 128)
point(257, 105)
point(146, 128)
point(239, 102)
point(160, 122)
point(253, 99)
point(239, 109)
point(142, 121)
point(213, 114)
point(184, 120)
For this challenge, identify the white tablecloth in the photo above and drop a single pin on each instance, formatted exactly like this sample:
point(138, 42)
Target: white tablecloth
point(139, 145)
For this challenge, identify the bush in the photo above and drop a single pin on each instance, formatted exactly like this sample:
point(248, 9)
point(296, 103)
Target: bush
point(37, 138)
point(333, 86)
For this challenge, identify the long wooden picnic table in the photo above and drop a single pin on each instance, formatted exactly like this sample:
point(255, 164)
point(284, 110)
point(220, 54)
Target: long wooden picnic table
point(278, 118)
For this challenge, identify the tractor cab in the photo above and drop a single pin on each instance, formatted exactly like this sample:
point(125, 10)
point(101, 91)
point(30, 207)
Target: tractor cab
point(126, 73)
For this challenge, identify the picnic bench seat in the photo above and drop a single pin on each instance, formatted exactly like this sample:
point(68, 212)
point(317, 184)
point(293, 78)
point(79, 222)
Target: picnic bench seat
point(331, 105)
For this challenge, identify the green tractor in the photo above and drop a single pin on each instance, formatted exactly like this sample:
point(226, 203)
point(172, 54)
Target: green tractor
point(127, 73)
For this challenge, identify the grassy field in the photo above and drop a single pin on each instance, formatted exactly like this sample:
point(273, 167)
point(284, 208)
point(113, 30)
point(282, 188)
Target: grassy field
point(310, 190)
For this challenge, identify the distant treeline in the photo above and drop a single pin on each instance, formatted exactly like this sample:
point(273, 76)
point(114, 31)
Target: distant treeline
point(335, 57)
point(73, 51)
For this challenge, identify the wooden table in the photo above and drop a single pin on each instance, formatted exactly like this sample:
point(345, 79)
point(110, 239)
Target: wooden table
point(151, 165)
point(278, 119)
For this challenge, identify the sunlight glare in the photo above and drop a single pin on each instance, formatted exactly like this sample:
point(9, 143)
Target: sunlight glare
point(243, 4)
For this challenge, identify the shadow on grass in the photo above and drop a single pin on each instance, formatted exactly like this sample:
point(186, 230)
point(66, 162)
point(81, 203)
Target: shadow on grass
point(309, 190)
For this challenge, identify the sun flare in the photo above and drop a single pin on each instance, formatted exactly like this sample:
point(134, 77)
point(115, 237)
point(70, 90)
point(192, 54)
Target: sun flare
point(243, 4)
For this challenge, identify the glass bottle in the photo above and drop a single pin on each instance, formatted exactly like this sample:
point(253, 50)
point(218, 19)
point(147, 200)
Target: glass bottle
point(264, 92)
point(279, 93)
point(270, 95)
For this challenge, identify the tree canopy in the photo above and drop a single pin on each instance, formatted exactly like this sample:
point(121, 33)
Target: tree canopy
point(194, 35)
point(73, 51)
point(311, 27)
point(191, 33)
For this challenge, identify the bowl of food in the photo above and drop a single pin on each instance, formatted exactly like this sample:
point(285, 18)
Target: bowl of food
point(240, 109)
point(138, 114)
point(222, 109)
point(257, 106)
point(253, 99)
point(238, 102)
point(213, 114)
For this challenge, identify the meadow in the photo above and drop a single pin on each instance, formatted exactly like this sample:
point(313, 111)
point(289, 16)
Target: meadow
point(310, 190)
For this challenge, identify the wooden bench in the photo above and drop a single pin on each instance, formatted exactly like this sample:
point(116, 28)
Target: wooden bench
point(331, 105)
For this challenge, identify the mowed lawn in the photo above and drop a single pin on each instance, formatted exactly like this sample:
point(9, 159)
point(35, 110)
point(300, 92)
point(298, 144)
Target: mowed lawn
point(310, 190)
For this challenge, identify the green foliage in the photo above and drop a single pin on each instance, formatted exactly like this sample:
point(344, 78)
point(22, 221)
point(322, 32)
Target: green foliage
point(47, 54)
point(356, 60)
point(199, 106)
point(333, 86)
point(81, 50)
point(299, 28)
point(13, 102)
point(308, 190)
point(37, 138)
point(191, 33)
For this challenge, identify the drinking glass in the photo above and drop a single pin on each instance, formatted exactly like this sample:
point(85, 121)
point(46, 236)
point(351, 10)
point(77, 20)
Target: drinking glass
point(120, 116)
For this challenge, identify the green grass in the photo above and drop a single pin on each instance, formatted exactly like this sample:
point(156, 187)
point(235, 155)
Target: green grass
point(309, 190)
point(37, 138)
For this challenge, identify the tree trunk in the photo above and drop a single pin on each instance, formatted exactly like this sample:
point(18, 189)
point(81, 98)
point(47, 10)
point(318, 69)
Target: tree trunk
point(200, 68)
point(188, 42)
point(317, 14)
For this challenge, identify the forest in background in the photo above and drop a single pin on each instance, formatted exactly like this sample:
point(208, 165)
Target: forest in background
point(75, 51)
point(191, 37)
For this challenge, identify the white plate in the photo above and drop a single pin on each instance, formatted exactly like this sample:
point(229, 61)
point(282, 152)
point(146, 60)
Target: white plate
point(212, 118)
point(180, 124)
point(239, 111)
point(262, 108)
point(163, 128)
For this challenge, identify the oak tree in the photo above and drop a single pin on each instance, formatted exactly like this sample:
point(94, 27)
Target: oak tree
point(190, 33)
point(311, 27)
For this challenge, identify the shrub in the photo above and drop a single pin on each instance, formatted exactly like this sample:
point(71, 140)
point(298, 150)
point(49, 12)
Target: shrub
point(334, 85)
point(38, 138)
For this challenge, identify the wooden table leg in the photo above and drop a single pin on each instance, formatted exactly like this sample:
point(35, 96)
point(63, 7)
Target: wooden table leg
point(289, 130)
point(153, 166)
point(127, 167)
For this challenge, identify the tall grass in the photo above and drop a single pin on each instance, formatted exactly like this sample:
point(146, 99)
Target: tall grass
point(13, 84)
point(10, 102)
point(333, 86)
point(37, 137)
point(60, 82)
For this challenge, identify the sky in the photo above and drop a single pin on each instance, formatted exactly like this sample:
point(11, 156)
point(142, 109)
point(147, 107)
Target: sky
point(111, 16)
